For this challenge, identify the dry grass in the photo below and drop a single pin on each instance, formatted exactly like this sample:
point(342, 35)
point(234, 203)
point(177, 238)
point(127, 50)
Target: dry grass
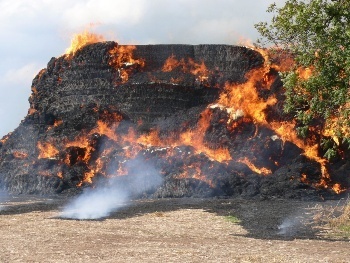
point(341, 223)
point(337, 218)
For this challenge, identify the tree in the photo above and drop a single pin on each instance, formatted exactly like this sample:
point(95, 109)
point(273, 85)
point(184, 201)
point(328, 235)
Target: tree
point(317, 34)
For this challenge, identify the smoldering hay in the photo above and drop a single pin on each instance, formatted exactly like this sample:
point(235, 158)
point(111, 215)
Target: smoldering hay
point(208, 118)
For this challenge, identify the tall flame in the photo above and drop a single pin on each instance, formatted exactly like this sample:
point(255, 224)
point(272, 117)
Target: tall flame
point(245, 97)
point(82, 39)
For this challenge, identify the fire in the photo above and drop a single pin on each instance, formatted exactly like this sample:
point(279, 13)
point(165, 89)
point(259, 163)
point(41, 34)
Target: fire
point(121, 58)
point(195, 172)
point(107, 125)
point(245, 98)
point(304, 73)
point(246, 42)
point(60, 175)
point(195, 138)
point(57, 123)
point(20, 155)
point(197, 69)
point(82, 142)
point(47, 150)
point(286, 131)
point(262, 171)
point(303, 179)
point(31, 111)
point(34, 90)
point(40, 74)
point(241, 101)
point(87, 178)
point(150, 139)
point(336, 121)
point(338, 189)
point(82, 39)
point(102, 128)
point(5, 138)
point(172, 63)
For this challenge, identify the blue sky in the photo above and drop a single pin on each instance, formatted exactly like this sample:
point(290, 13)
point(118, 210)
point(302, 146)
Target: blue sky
point(36, 30)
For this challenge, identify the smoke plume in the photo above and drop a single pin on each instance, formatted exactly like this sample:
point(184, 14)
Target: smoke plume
point(292, 225)
point(111, 194)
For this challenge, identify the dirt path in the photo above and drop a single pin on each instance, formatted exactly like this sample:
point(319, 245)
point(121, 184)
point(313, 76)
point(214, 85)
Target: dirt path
point(169, 230)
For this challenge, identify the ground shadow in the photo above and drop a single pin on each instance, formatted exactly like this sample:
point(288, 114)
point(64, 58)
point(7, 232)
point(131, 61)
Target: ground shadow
point(262, 219)
point(21, 204)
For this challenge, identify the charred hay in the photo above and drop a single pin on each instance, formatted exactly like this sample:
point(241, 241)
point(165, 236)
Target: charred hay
point(93, 112)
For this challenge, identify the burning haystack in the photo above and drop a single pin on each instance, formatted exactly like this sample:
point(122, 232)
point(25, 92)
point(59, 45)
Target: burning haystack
point(207, 118)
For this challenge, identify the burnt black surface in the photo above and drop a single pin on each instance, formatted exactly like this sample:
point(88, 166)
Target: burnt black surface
point(73, 93)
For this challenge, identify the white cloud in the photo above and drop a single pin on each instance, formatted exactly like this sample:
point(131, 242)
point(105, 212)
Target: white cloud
point(23, 75)
point(15, 89)
point(105, 12)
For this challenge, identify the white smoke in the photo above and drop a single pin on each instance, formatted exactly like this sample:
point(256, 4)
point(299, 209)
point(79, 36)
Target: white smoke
point(290, 226)
point(112, 194)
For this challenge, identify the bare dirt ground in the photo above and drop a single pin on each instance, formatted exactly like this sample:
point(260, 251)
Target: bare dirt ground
point(170, 230)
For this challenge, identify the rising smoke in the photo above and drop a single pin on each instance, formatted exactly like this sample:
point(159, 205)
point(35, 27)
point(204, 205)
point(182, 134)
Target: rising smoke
point(111, 194)
point(293, 225)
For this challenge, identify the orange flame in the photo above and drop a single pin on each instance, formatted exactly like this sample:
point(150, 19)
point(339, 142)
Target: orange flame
point(82, 39)
point(47, 150)
point(102, 128)
point(333, 124)
point(195, 138)
point(31, 111)
point(87, 177)
point(20, 155)
point(304, 179)
point(83, 143)
point(122, 60)
point(195, 172)
point(305, 73)
point(57, 123)
point(263, 170)
point(244, 97)
point(60, 175)
point(5, 138)
point(338, 189)
point(239, 100)
point(150, 139)
point(172, 63)
point(197, 69)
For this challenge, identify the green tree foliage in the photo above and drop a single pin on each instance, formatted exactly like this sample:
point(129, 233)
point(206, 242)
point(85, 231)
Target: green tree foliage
point(317, 34)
